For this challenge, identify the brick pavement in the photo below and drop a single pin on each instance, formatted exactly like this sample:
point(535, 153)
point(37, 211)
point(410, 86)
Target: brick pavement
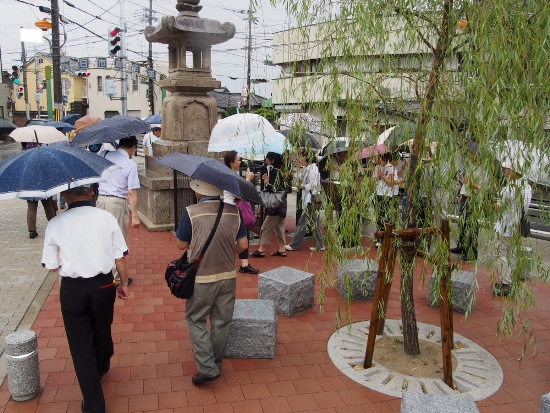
point(153, 362)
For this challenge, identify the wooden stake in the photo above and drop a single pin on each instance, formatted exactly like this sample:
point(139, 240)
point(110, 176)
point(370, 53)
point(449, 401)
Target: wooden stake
point(380, 281)
point(386, 286)
point(446, 313)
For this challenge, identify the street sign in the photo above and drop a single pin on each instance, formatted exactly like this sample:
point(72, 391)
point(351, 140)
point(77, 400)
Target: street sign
point(40, 77)
point(73, 64)
point(151, 74)
point(102, 63)
point(40, 86)
point(31, 35)
point(65, 99)
point(66, 83)
point(118, 63)
point(137, 68)
point(83, 63)
point(37, 97)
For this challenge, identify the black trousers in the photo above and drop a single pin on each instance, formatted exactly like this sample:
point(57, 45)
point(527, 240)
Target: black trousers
point(87, 305)
point(469, 229)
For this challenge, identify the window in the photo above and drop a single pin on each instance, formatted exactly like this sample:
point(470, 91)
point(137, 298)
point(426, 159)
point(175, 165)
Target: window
point(135, 84)
point(99, 84)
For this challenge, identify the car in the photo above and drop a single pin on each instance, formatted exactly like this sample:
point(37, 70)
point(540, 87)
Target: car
point(38, 121)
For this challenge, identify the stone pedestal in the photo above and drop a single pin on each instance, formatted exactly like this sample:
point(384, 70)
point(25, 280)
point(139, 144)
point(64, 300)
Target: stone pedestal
point(464, 283)
point(356, 279)
point(188, 113)
point(545, 403)
point(293, 291)
point(22, 360)
point(253, 331)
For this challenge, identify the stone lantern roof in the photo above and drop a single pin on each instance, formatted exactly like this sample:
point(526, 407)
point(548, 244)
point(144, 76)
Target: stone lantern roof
point(190, 39)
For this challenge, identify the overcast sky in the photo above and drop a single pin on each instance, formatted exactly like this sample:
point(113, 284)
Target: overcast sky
point(228, 59)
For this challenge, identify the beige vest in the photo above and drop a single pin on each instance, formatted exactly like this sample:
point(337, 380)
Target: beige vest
point(219, 261)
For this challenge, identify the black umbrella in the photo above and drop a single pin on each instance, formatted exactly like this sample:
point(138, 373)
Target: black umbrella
point(6, 127)
point(212, 172)
point(110, 130)
point(300, 138)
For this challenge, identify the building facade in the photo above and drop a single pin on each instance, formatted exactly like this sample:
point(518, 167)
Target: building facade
point(83, 87)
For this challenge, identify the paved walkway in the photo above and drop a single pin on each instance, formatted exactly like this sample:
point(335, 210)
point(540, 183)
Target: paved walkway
point(153, 362)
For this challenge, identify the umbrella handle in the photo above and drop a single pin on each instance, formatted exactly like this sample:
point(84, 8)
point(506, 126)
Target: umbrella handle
point(36, 136)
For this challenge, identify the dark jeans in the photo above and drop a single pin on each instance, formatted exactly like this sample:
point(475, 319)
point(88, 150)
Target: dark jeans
point(468, 227)
point(87, 306)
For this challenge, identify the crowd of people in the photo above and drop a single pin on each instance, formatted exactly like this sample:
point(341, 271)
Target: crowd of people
point(93, 268)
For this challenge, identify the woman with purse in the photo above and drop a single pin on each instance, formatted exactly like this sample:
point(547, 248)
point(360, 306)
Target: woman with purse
point(275, 217)
point(233, 161)
point(310, 184)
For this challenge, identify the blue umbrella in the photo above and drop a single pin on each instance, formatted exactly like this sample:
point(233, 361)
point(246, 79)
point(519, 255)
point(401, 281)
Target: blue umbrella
point(154, 118)
point(65, 127)
point(110, 130)
point(212, 172)
point(70, 119)
point(44, 171)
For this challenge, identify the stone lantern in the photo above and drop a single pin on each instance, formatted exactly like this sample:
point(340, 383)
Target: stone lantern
point(188, 113)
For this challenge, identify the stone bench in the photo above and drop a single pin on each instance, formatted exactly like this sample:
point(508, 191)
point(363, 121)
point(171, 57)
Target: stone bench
point(253, 331)
point(292, 291)
point(464, 283)
point(362, 275)
point(435, 403)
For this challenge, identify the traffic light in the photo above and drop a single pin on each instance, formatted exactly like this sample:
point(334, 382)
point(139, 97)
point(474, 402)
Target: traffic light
point(114, 40)
point(15, 74)
point(20, 92)
point(256, 81)
point(110, 87)
point(82, 74)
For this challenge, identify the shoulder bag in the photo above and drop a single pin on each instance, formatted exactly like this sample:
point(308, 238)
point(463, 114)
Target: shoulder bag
point(247, 213)
point(180, 275)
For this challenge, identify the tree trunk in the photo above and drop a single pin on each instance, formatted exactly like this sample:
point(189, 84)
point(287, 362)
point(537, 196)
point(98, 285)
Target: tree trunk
point(408, 313)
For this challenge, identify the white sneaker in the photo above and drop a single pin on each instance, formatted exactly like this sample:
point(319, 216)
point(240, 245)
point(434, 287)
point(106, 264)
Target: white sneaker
point(316, 249)
point(289, 248)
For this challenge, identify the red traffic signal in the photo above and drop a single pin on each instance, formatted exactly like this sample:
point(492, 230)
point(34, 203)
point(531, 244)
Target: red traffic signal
point(113, 47)
point(83, 74)
point(20, 91)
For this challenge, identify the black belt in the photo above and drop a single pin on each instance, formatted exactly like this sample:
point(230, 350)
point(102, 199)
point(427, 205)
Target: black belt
point(113, 196)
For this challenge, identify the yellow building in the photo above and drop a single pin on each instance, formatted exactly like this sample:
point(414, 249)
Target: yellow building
point(73, 87)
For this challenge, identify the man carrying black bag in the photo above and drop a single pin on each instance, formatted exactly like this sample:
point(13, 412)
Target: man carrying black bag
point(215, 283)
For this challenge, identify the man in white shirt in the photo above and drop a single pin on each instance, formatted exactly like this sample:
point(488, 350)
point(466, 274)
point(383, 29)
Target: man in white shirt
point(118, 195)
point(83, 244)
point(514, 198)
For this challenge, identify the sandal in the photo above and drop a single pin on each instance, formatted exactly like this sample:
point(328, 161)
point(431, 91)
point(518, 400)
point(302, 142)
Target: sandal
point(257, 254)
point(278, 254)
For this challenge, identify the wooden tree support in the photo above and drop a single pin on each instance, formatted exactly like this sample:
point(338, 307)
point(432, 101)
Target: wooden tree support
point(383, 286)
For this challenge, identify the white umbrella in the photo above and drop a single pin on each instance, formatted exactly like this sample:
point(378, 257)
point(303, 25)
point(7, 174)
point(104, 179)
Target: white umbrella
point(245, 133)
point(526, 159)
point(384, 135)
point(38, 133)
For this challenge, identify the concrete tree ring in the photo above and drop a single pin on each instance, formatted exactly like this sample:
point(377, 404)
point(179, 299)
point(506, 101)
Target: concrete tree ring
point(478, 373)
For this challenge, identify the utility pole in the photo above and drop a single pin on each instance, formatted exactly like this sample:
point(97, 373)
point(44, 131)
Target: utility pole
point(25, 86)
point(37, 94)
point(123, 91)
point(250, 17)
point(150, 58)
point(56, 61)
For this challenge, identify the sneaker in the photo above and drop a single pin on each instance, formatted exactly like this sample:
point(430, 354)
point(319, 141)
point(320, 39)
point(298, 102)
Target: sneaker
point(316, 249)
point(289, 248)
point(249, 269)
point(33, 234)
point(377, 244)
point(197, 379)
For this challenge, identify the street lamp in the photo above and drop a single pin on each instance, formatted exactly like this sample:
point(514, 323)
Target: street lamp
point(44, 25)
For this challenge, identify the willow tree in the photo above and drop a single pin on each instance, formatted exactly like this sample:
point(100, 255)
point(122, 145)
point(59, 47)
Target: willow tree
point(461, 70)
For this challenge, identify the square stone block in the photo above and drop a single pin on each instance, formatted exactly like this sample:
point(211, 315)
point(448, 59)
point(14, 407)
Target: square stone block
point(362, 275)
point(435, 403)
point(253, 331)
point(545, 403)
point(291, 290)
point(464, 283)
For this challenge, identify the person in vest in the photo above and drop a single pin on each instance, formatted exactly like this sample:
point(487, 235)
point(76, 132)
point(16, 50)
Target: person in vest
point(215, 284)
